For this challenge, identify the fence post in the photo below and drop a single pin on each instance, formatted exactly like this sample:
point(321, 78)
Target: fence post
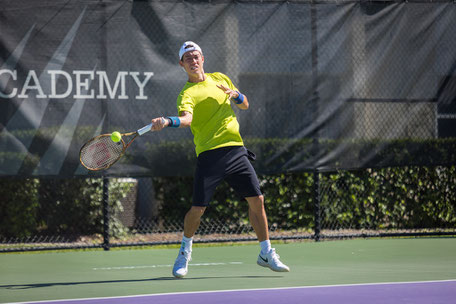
point(315, 99)
point(106, 213)
point(317, 216)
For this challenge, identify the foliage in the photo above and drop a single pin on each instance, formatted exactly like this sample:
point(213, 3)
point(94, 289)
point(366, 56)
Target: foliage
point(59, 207)
point(18, 207)
point(391, 198)
point(385, 198)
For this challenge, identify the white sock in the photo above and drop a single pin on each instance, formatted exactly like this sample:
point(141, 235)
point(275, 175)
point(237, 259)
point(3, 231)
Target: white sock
point(265, 246)
point(187, 244)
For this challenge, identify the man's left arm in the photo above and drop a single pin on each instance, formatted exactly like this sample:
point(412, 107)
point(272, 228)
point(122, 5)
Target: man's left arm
point(238, 98)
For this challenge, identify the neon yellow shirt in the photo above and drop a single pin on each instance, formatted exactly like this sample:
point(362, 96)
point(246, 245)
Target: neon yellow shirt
point(214, 124)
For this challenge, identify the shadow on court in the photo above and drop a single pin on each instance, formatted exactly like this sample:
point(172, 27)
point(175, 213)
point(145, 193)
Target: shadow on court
point(41, 285)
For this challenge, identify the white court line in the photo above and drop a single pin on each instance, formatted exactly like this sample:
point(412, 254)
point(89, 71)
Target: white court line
point(162, 266)
point(240, 290)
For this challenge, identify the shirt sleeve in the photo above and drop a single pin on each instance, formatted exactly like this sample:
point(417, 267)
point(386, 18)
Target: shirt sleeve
point(185, 103)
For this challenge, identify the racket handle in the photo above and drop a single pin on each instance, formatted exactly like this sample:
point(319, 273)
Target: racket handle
point(145, 129)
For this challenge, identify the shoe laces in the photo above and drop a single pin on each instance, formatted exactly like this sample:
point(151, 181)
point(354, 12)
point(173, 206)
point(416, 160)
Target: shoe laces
point(274, 253)
point(275, 256)
point(184, 256)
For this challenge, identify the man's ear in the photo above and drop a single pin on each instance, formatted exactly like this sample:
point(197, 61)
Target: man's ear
point(181, 63)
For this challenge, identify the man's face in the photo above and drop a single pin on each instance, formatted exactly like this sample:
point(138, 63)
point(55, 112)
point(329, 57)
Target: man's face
point(192, 62)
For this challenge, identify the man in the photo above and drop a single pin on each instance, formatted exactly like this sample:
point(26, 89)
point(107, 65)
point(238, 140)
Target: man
point(204, 105)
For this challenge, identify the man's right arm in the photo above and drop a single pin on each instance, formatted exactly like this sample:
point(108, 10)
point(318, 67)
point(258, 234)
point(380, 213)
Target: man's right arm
point(185, 120)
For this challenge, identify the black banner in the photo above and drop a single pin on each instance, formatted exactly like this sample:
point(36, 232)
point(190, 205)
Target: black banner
point(330, 85)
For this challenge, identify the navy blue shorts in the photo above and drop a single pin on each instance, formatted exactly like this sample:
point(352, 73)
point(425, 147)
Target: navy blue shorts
point(229, 163)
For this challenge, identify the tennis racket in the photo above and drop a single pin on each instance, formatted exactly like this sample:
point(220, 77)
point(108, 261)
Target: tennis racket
point(100, 153)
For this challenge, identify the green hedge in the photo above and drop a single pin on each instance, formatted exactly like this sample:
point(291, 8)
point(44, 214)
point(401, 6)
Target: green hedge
point(391, 198)
point(58, 207)
point(19, 207)
point(386, 198)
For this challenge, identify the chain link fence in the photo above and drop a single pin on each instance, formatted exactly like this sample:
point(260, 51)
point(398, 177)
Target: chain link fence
point(73, 213)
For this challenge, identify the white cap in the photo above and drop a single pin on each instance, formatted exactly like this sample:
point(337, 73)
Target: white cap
point(189, 46)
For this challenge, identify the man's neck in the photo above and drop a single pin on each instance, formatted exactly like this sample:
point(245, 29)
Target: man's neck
point(200, 77)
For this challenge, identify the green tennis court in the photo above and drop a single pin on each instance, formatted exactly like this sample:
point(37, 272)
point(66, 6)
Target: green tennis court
point(92, 274)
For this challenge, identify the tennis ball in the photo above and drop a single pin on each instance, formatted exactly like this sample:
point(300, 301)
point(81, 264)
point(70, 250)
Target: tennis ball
point(115, 136)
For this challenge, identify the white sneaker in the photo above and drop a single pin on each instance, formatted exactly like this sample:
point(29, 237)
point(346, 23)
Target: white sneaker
point(271, 260)
point(180, 268)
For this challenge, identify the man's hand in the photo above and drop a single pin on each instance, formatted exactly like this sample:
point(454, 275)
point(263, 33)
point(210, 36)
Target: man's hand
point(228, 91)
point(159, 123)
point(233, 95)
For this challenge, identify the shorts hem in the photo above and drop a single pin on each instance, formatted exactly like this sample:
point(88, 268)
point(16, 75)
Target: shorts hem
point(200, 204)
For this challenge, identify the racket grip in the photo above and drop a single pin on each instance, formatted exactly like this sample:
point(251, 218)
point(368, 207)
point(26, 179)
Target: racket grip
point(145, 129)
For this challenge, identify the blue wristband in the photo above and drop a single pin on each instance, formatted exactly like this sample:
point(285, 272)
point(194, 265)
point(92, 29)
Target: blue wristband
point(174, 122)
point(239, 99)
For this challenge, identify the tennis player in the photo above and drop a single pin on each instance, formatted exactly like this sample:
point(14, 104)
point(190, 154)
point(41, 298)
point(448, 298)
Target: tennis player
point(204, 105)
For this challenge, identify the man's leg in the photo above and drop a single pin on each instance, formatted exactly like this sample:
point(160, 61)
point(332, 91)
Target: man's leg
point(257, 216)
point(192, 220)
point(258, 219)
point(191, 223)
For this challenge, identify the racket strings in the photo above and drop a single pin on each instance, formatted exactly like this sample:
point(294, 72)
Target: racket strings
point(101, 153)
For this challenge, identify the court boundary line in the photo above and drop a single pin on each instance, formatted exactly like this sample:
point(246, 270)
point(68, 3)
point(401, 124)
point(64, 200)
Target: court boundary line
point(238, 290)
point(165, 266)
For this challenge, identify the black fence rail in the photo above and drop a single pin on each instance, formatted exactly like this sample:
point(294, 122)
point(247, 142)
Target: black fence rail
point(44, 214)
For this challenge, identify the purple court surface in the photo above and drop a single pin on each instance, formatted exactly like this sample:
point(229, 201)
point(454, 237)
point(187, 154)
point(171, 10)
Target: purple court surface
point(434, 292)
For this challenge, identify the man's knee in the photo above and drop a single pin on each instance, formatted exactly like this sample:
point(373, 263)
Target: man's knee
point(256, 203)
point(197, 211)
